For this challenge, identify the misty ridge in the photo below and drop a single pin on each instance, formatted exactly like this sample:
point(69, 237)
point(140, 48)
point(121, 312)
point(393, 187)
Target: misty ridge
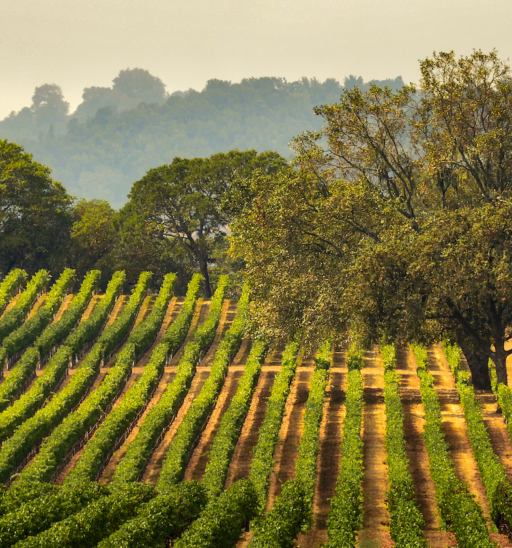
point(117, 133)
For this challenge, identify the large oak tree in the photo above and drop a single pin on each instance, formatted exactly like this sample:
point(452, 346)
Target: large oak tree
point(396, 225)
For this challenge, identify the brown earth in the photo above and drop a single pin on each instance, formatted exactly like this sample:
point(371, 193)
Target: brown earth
point(329, 457)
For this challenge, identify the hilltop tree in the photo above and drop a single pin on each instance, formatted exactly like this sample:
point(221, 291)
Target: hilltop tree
point(186, 200)
point(396, 225)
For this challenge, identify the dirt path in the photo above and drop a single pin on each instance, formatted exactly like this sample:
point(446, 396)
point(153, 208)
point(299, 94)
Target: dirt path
point(328, 463)
point(375, 483)
point(242, 457)
point(36, 306)
point(414, 422)
point(63, 307)
point(455, 428)
point(200, 455)
point(290, 434)
point(11, 304)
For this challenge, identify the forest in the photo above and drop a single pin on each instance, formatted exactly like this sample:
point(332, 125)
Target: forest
point(116, 134)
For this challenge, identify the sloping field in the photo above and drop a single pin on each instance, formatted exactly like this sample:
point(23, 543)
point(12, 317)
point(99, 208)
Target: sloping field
point(319, 434)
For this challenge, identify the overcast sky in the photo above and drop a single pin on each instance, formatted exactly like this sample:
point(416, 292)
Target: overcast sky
point(77, 43)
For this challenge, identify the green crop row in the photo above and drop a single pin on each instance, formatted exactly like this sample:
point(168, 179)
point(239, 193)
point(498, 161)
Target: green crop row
point(33, 508)
point(32, 400)
point(97, 520)
point(161, 414)
point(56, 332)
point(14, 384)
point(346, 511)
point(28, 332)
point(177, 331)
point(97, 449)
point(232, 421)
point(77, 423)
point(162, 519)
point(497, 486)
point(407, 522)
point(457, 508)
point(87, 331)
point(193, 422)
point(16, 316)
point(9, 286)
point(263, 462)
point(292, 511)
point(223, 521)
point(32, 431)
point(114, 335)
point(24, 336)
point(145, 333)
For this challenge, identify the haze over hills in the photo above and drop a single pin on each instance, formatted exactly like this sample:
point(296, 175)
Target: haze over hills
point(116, 134)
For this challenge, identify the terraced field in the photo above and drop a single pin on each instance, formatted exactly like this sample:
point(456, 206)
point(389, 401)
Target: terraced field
point(154, 420)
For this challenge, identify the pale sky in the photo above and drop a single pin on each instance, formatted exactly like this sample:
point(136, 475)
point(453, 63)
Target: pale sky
point(77, 43)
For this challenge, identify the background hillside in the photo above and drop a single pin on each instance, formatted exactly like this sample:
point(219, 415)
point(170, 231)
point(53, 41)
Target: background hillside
point(116, 134)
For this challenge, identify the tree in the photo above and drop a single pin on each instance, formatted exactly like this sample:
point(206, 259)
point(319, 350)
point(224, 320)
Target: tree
point(94, 236)
point(187, 200)
point(35, 213)
point(395, 225)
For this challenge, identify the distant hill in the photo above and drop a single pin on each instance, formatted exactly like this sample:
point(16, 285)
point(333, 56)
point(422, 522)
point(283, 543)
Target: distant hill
point(118, 133)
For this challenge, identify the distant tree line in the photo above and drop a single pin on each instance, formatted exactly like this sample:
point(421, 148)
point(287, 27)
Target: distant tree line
point(118, 133)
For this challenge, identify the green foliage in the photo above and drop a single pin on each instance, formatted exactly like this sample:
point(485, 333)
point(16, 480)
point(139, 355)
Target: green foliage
point(177, 331)
point(183, 200)
point(263, 462)
point(33, 509)
point(17, 314)
point(355, 356)
point(163, 518)
point(292, 511)
point(10, 285)
point(407, 522)
point(494, 478)
point(90, 463)
point(388, 353)
point(144, 334)
point(346, 512)
point(221, 525)
point(35, 214)
point(88, 330)
point(57, 331)
point(25, 335)
point(25, 369)
point(194, 421)
point(232, 421)
point(457, 508)
point(29, 402)
point(33, 430)
point(161, 414)
point(97, 520)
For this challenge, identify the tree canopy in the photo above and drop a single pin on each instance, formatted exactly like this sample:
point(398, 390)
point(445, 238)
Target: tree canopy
point(35, 212)
point(395, 225)
point(185, 200)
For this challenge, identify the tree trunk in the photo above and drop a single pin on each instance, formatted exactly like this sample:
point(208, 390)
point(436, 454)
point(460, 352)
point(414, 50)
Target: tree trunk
point(500, 361)
point(203, 266)
point(478, 364)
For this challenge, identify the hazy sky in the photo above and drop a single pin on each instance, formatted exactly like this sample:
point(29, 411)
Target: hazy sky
point(77, 43)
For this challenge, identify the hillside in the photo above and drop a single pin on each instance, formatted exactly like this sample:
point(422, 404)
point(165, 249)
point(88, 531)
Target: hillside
point(106, 145)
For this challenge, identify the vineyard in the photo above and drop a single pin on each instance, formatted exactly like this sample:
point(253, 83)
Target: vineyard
point(146, 420)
